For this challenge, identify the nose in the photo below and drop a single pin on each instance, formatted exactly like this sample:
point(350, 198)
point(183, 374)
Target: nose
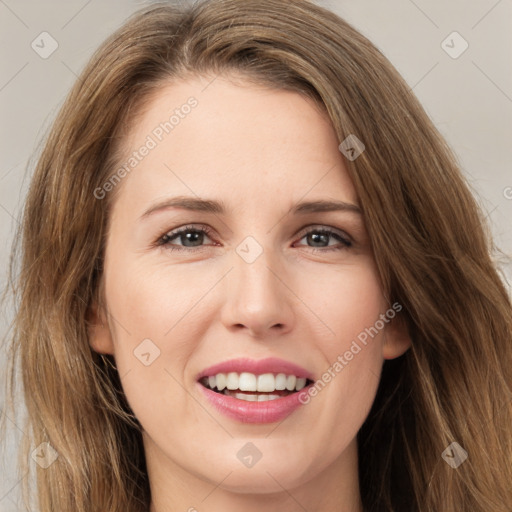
point(258, 299)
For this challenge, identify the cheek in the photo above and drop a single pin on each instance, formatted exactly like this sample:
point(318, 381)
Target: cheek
point(357, 357)
point(348, 300)
point(154, 339)
point(345, 390)
point(155, 328)
point(156, 301)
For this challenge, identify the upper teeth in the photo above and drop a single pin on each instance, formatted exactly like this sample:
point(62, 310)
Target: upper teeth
point(266, 382)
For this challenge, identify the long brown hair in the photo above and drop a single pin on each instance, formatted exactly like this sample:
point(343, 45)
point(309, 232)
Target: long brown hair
point(430, 242)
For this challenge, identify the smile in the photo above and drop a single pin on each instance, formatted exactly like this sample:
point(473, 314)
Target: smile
point(255, 388)
point(252, 391)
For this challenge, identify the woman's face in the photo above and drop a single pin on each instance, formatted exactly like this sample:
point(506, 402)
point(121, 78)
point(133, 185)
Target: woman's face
point(270, 288)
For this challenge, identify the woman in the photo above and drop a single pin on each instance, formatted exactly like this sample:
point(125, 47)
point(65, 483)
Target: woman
point(164, 290)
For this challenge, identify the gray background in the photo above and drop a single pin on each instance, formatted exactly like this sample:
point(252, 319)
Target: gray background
point(469, 98)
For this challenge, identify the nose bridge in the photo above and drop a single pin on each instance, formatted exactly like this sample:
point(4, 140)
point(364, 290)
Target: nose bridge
point(253, 276)
point(257, 298)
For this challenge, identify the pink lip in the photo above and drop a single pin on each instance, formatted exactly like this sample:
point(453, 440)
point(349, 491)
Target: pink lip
point(255, 412)
point(269, 365)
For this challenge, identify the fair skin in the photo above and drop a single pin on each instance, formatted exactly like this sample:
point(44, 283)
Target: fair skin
point(259, 151)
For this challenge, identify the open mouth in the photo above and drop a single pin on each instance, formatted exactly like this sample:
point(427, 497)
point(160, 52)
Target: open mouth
point(255, 388)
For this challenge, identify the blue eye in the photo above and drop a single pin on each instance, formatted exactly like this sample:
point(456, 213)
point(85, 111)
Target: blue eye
point(192, 238)
point(324, 235)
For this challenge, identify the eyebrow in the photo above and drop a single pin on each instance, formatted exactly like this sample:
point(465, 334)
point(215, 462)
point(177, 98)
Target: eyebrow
point(219, 207)
point(325, 206)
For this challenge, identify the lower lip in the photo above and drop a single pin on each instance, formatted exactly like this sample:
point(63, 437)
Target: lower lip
point(243, 411)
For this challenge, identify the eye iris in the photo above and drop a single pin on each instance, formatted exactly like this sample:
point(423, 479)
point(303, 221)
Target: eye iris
point(318, 238)
point(192, 236)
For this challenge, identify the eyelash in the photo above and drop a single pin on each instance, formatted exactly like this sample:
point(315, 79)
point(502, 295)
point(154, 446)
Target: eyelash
point(165, 239)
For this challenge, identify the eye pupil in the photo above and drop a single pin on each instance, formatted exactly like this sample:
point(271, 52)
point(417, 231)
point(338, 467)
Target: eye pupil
point(192, 236)
point(319, 238)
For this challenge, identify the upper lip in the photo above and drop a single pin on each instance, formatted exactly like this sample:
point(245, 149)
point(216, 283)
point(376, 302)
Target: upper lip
point(257, 367)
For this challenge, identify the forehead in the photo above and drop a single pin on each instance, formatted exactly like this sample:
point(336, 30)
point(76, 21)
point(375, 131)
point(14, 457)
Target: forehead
point(216, 137)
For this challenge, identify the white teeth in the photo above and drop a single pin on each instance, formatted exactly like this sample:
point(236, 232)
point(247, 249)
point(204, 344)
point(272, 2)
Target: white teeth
point(247, 382)
point(221, 381)
point(242, 396)
point(301, 383)
point(280, 381)
point(251, 398)
point(266, 398)
point(232, 381)
point(265, 383)
point(291, 380)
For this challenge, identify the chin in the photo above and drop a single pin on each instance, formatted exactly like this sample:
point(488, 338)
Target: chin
point(268, 476)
